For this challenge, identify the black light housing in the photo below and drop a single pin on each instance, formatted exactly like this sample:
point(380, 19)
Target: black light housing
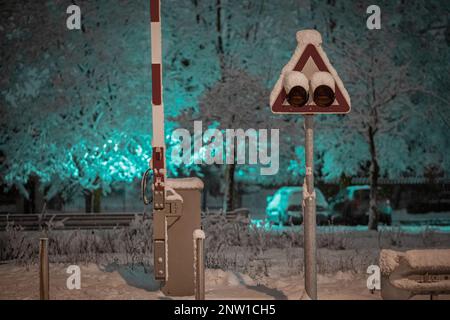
point(298, 96)
point(323, 96)
point(296, 85)
point(323, 88)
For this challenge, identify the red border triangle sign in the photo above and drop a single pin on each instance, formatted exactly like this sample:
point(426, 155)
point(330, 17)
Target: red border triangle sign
point(309, 58)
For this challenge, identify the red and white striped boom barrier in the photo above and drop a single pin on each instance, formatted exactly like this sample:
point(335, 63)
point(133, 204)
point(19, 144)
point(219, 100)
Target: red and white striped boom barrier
point(163, 206)
point(175, 215)
point(158, 162)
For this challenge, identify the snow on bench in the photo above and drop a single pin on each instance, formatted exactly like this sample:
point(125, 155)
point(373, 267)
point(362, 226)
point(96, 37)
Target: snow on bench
point(414, 272)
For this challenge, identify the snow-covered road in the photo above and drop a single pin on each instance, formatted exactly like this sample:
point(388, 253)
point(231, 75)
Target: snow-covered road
point(413, 229)
point(401, 220)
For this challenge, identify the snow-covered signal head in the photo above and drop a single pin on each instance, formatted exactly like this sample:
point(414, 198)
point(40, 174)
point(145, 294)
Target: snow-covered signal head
point(297, 88)
point(323, 88)
point(308, 83)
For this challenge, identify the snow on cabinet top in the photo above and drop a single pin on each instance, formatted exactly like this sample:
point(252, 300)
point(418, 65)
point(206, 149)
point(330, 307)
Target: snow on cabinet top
point(305, 38)
point(185, 183)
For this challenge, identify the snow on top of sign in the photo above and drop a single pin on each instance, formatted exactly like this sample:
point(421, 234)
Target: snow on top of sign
point(295, 78)
point(322, 78)
point(304, 38)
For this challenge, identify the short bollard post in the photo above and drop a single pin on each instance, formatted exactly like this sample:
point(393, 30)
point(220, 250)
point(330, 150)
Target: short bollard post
point(199, 264)
point(43, 269)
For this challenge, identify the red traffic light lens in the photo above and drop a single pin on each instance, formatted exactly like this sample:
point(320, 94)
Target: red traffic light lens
point(298, 96)
point(323, 96)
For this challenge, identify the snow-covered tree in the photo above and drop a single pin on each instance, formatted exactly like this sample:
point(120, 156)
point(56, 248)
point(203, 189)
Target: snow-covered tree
point(74, 103)
point(237, 101)
point(382, 82)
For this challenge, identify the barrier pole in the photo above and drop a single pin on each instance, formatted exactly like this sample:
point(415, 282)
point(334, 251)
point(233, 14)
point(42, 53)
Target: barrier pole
point(44, 287)
point(199, 264)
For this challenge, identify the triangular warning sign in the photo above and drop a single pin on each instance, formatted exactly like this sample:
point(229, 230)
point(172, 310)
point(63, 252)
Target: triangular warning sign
point(309, 58)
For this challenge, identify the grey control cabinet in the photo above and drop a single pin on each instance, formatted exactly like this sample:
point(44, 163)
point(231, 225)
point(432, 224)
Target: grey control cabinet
point(180, 244)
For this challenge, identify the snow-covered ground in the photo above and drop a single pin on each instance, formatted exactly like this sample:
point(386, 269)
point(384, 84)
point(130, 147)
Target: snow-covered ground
point(244, 263)
point(107, 282)
point(100, 282)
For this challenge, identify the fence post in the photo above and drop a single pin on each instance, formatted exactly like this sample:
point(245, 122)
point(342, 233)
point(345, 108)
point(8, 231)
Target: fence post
point(43, 269)
point(199, 264)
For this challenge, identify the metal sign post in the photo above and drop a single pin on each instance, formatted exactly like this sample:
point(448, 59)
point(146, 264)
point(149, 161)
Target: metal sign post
point(309, 205)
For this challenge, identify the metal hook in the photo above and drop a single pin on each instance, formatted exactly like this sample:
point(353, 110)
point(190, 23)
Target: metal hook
point(144, 185)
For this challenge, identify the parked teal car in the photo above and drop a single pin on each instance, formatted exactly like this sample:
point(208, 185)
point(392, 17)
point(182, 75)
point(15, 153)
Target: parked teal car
point(351, 206)
point(285, 206)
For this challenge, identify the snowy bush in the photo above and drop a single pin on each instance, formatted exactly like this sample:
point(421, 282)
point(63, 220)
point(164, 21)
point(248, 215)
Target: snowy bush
point(231, 246)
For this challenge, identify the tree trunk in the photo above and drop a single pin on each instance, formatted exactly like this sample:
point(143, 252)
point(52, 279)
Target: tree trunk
point(35, 201)
point(20, 203)
point(228, 197)
point(220, 38)
point(88, 201)
point(238, 195)
point(38, 199)
point(373, 178)
point(28, 206)
point(97, 201)
point(92, 200)
point(397, 196)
